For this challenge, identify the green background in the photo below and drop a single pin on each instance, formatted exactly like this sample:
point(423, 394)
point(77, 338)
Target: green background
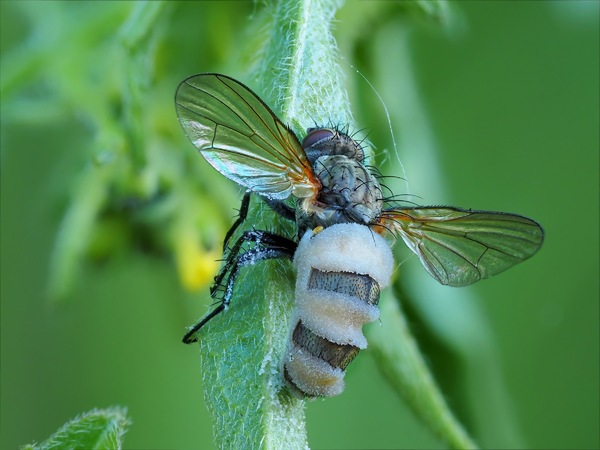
point(507, 95)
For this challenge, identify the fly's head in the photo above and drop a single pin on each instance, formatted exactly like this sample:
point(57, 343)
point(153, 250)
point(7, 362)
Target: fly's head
point(327, 141)
point(349, 192)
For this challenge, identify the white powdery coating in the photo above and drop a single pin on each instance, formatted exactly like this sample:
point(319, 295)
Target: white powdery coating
point(345, 247)
point(336, 317)
point(340, 248)
point(313, 375)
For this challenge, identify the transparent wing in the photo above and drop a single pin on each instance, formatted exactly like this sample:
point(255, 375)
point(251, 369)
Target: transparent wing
point(459, 247)
point(241, 137)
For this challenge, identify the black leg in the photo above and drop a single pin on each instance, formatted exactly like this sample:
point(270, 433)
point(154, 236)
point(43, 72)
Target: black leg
point(266, 246)
point(190, 336)
point(243, 214)
point(278, 206)
point(281, 208)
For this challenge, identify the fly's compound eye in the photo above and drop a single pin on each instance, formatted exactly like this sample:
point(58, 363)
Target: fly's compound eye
point(316, 135)
point(327, 142)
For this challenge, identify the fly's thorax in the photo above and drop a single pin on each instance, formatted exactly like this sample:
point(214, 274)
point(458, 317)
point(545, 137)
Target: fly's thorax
point(349, 194)
point(340, 272)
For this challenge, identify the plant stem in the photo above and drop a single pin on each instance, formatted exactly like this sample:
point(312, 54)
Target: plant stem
point(242, 349)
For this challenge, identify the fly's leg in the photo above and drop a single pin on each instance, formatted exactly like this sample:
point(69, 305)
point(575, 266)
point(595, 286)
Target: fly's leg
point(264, 242)
point(190, 336)
point(241, 217)
point(281, 208)
point(266, 246)
point(278, 206)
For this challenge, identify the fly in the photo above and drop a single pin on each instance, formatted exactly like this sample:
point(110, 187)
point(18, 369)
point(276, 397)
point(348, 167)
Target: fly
point(336, 202)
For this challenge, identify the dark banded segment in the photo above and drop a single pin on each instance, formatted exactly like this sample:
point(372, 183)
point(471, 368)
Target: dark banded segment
point(355, 285)
point(336, 355)
point(293, 385)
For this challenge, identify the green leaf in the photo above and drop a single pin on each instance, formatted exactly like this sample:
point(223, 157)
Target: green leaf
point(76, 229)
point(96, 429)
point(242, 349)
point(299, 75)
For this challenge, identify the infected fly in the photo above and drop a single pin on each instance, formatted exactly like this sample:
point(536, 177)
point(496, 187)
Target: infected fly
point(335, 200)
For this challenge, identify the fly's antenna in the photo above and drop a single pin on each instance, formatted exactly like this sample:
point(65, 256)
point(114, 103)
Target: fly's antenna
point(387, 115)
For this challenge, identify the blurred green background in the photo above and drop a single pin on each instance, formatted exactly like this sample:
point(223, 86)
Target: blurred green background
point(496, 108)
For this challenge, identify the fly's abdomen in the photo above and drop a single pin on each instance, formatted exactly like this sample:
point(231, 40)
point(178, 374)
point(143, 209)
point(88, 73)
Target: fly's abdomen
point(340, 273)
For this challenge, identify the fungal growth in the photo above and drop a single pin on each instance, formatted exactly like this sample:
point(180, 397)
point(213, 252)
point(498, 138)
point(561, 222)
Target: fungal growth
point(340, 273)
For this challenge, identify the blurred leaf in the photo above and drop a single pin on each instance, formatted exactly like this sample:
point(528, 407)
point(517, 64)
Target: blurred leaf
point(139, 36)
point(401, 361)
point(131, 171)
point(436, 10)
point(97, 429)
point(76, 230)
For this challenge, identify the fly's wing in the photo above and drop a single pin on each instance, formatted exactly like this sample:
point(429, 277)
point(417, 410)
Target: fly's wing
point(459, 247)
point(241, 137)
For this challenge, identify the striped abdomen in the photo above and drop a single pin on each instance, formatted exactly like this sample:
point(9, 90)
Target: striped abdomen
point(340, 273)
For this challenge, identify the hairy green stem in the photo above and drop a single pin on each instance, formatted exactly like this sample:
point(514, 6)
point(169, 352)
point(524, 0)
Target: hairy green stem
point(242, 349)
